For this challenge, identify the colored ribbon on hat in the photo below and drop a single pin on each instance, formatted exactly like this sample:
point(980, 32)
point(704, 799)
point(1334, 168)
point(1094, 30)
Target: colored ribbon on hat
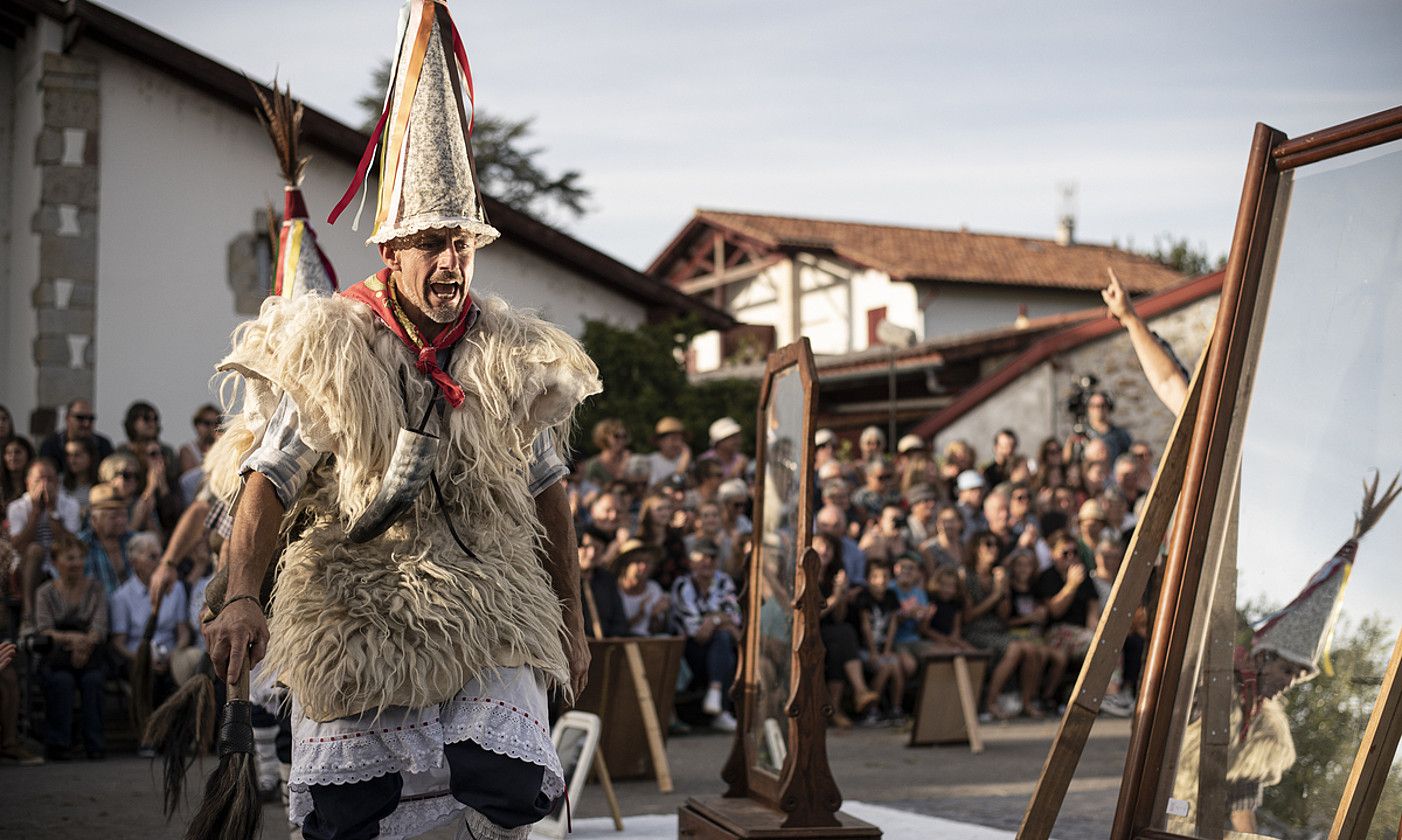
point(296, 231)
point(378, 293)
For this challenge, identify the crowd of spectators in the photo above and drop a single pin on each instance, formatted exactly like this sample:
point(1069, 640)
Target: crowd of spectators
point(922, 552)
point(86, 523)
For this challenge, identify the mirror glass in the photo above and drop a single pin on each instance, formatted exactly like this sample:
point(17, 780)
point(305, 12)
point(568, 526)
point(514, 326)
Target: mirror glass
point(778, 542)
point(1292, 635)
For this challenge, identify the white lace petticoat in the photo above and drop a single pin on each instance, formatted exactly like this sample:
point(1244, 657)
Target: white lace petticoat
point(503, 711)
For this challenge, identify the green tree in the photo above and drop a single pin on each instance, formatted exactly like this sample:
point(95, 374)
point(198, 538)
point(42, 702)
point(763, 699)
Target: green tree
point(645, 379)
point(506, 162)
point(1182, 257)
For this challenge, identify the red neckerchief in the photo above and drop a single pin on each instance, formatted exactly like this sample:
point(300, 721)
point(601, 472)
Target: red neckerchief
point(377, 292)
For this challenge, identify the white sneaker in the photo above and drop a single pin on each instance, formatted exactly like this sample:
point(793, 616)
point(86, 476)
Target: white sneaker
point(724, 721)
point(711, 705)
point(1117, 705)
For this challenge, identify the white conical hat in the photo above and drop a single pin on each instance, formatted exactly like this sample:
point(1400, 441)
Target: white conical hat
point(427, 176)
point(1300, 632)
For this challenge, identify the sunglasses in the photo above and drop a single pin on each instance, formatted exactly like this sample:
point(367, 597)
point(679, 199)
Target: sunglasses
point(204, 422)
point(128, 475)
point(84, 418)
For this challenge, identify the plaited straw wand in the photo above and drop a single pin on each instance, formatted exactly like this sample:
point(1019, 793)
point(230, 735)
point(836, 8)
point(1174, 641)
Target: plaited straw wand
point(231, 809)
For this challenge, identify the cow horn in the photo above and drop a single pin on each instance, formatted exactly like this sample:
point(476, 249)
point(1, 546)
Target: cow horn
point(410, 467)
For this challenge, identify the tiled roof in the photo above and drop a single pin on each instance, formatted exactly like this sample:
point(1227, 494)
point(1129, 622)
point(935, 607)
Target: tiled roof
point(909, 253)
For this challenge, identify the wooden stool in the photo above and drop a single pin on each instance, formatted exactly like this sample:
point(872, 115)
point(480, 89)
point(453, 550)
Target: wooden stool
point(946, 711)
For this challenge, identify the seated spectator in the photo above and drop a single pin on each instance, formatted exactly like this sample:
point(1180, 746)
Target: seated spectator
point(18, 456)
point(923, 501)
point(78, 420)
point(838, 493)
point(969, 501)
point(673, 456)
point(1119, 521)
point(919, 469)
point(997, 520)
point(1117, 701)
point(879, 608)
point(192, 452)
point(1051, 469)
point(1027, 620)
point(726, 443)
point(610, 437)
point(36, 519)
point(734, 498)
point(1095, 476)
point(71, 613)
point(159, 463)
point(887, 540)
point(909, 448)
point(707, 477)
point(944, 630)
point(1073, 604)
point(607, 520)
point(946, 547)
point(959, 457)
point(130, 608)
point(80, 470)
point(832, 522)
point(1091, 522)
point(7, 424)
point(986, 610)
point(12, 750)
point(646, 606)
point(909, 586)
point(842, 665)
point(707, 607)
point(999, 469)
point(871, 445)
point(656, 532)
point(710, 527)
point(122, 472)
point(107, 538)
point(878, 491)
point(604, 617)
point(824, 449)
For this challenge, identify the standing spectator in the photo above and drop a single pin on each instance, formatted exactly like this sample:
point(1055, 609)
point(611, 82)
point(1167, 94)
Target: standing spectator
point(999, 469)
point(878, 491)
point(18, 456)
point(725, 448)
point(36, 519)
point(878, 609)
point(946, 547)
point(871, 446)
point(969, 500)
point(604, 617)
point(107, 538)
point(611, 464)
point(80, 472)
point(1073, 604)
point(122, 472)
point(646, 606)
point(923, 500)
point(131, 606)
point(78, 419)
point(1100, 426)
point(707, 607)
point(673, 456)
point(71, 612)
point(832, 522)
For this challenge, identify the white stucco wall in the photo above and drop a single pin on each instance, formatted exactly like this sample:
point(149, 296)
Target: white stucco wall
point(22, 112)
point(760, 300)
point(182, 175)
point(955, 308)
point(1033, 404)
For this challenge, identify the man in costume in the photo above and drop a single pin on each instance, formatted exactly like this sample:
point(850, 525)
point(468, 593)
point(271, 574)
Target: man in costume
point(1287, 648)
point(418, 630)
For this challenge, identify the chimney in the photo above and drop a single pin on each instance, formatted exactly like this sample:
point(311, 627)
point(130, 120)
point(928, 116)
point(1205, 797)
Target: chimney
point(1022, 321)
point(1066, 230)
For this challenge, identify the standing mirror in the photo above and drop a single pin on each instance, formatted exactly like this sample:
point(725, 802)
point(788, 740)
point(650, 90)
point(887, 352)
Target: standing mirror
point(779, 782)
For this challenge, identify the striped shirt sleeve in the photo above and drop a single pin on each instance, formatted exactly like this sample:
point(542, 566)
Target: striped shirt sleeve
point(282, 456)
point(546, 464)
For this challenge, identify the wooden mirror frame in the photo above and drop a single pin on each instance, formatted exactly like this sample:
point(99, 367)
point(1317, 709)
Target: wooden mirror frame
point(1232, 355)
point(804, 789)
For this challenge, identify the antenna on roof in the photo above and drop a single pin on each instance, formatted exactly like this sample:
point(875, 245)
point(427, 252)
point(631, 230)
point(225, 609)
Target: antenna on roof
point(1066, 212)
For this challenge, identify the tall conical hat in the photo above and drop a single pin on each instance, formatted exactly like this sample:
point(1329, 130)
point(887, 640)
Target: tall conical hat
point(302, 268)
point(1301, 631)
point(427, 176)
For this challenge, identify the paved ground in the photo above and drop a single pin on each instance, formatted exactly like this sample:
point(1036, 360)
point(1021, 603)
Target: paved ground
point(117, 798)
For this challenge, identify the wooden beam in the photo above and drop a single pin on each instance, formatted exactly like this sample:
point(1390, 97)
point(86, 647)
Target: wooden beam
point(1108, 642)
point(1374, 758)
point(744, 271)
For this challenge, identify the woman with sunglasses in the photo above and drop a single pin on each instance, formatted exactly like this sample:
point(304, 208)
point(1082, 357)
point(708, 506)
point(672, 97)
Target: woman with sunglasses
point(611, 464)
point(123, 471)
point(80, 469)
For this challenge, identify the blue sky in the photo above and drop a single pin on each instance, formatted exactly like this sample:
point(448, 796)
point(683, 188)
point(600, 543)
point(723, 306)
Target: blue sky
point(936, 114)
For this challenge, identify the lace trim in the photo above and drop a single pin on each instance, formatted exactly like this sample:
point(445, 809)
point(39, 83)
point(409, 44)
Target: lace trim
point(414, 816)
point(507, 730)
point(485, 233)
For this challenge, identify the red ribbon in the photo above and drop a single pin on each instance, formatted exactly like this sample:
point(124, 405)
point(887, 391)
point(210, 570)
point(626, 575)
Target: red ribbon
point(426, 355)
point(363, 168)
point(461, 53)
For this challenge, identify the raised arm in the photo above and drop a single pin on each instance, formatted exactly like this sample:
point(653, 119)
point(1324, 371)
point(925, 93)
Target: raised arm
point(1163, 373)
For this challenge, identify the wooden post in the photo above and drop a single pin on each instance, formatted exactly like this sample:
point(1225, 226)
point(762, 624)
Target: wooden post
point(1374, 758)
point(601, 770)
point(1218, 683)
point(1115, 620)
point(651, 728)
point(968, 703)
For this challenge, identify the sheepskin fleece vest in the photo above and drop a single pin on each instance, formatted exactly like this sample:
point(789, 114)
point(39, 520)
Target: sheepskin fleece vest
point(1267, 751)
point(407, 618)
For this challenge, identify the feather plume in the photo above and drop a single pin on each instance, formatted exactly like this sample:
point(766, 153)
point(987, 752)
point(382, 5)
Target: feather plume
point(1373, 507)
point(281, 117)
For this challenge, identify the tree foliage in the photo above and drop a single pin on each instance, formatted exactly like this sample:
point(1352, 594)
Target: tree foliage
point(645, 379)
point(506, 162)
point(1179, 255)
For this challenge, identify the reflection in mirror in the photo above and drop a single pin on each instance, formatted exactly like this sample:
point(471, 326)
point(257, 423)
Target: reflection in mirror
point(778, 544)
point(1293, 632)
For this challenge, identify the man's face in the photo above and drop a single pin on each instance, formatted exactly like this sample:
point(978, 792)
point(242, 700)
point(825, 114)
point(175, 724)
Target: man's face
point(832, 521)
point(1020, 501)
point(973, 497)
point(1004, 445)
point(206, 424)
point(670, 445)
point(1090, 530)
point(76, 454)
point(146, 425)
point(995, 510)
point(143, 562)
point(109, 523)
point(1063, 555)
point(78, 422)
point(702, 565)
point(1276, 675)
point(434, 271)
point(1097, 409)
point(41, 478)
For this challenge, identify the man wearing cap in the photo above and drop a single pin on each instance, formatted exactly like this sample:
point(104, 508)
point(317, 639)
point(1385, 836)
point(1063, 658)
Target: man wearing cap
point(824, 448)
point(421, 611)
point(922, 500)
point(1091, 522)
point(725, 448)
point(106, 537)
point(970, 486)
point(908, 448)
point(878, 491)
point(673, 456)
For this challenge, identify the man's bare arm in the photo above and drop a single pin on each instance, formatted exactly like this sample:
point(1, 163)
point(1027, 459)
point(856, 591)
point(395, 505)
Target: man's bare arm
point(187, 534)
point(241, 625)
point(1159, 368)
point(562, 564)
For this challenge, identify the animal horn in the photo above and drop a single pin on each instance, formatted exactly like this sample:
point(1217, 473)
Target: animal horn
point(410, 467)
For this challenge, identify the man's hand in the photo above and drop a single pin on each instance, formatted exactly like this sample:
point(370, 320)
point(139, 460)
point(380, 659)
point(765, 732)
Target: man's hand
point(161, 581)
point(577, 652)
point(7, 654)
point(1075, 575)
point(1116, 299)
point(238, 638)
